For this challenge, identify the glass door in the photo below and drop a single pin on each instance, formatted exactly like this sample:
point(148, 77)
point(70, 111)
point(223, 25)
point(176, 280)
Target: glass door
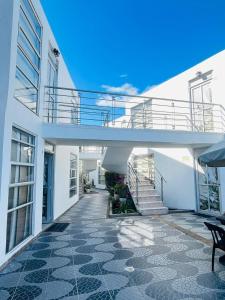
point(208, 190)
point(202, 109)
point(47, 205)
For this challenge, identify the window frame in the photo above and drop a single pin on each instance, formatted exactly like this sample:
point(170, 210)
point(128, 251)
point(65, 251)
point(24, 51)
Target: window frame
point(73, 188)
point(26, 55)
point(14, 185)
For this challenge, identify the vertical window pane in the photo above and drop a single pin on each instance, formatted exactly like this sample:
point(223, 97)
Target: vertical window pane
point(28, 57)
point(29, 32)
point(26, 154)
point(13, 197)
point(32, 18)
point(24, 43)
point(23, 195)
point(18, 226)
point(14, 151)
point(11, 230)
point(25, 91)
point(27, 68)
point(19, 218)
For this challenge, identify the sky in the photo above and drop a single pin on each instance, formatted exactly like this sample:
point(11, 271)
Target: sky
point(132, 45)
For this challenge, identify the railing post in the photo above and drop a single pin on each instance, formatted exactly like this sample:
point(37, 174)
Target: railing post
point(173, 121)
point(113, 110)
point(137, 188)
point(161, 188)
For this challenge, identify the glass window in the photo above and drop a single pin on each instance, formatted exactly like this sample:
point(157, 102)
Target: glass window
point(24, 24)
point(28, 57)
point(21, 187)
point(18, 226)
point(25, 44)
point(209, 189)
point(27, 69)
point(26, 5)
point(73, 175)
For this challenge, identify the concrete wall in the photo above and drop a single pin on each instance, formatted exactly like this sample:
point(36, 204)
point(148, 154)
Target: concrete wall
point(94, 175)
point(177, 167)
point(62, 201)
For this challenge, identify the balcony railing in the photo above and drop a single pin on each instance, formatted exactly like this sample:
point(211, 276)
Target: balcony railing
point(92, 149)
point(92, 108)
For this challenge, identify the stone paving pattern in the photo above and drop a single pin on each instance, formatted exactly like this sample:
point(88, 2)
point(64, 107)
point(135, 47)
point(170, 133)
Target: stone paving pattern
point(126, 258)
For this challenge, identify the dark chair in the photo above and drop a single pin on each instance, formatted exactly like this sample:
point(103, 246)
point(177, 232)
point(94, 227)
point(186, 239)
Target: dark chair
point(218, 235)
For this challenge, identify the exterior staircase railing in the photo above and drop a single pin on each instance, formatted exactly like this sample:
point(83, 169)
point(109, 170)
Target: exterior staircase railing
point(133, 182)
point(154, 177)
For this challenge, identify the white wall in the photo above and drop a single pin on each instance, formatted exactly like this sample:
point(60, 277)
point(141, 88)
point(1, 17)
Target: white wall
point(94, 175)
point(178, 86)
point(177, 167)
point(14, 113)
point(62, 201)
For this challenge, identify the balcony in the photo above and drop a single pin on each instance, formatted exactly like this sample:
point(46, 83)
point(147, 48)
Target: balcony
point(99, 109)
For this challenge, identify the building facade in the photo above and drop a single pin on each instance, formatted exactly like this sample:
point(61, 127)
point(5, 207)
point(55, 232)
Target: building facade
point(188, 185)
point(31, 66)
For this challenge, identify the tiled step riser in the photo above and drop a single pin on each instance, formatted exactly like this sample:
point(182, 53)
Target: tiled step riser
point(154, 211)
point(148, 199)
point(148, 193)
point(148, 205)
point(145, 188)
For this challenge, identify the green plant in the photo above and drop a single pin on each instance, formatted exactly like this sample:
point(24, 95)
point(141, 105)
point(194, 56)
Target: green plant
point(111, 179)
point(121, 189)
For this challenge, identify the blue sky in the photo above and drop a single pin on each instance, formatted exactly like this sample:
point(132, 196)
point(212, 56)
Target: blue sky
point(134, 44)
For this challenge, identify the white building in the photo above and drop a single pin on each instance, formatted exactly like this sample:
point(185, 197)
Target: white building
point(191, 101)
point(40, 124)
point(30, 60)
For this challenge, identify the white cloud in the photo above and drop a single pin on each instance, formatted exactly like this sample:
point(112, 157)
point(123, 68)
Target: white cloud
point(123, 76)
point(126, 89)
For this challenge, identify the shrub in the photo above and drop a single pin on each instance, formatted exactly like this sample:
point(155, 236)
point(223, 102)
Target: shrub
point(122, 190)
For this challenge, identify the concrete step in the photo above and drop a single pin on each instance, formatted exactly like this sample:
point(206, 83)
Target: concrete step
point(152, 204)
point(144, 184)
point(151, 198)
point(154, 211)
point(145, 187)
point(148, 192)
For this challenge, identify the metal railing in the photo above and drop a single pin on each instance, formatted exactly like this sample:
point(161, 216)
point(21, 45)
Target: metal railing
point(94, 108)
point(153, 175)
point(91, 149)
point(133, 182)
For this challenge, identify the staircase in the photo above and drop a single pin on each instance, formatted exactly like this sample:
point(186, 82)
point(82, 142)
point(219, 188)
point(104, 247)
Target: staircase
point(146, 191)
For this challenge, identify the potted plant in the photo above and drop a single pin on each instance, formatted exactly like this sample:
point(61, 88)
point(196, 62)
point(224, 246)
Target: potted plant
point(88, 188)
point(121, 190)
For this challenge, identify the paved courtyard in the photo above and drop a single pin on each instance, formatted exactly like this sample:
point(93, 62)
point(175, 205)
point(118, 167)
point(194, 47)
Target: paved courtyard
point(127, 258)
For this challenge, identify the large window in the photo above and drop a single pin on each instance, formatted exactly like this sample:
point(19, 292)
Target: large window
point(208, 189)
point(21, 187)
point(201, 98)
point(73, 174)
point(28, 57)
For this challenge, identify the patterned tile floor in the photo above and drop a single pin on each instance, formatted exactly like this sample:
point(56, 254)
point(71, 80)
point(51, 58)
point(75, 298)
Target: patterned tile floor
point(192, 222)
point(100, 258)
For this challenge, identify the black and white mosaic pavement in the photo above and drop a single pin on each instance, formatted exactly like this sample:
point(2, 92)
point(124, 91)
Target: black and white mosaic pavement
point(99, 258)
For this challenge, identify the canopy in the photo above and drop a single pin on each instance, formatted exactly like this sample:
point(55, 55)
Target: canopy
point(214, 156)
